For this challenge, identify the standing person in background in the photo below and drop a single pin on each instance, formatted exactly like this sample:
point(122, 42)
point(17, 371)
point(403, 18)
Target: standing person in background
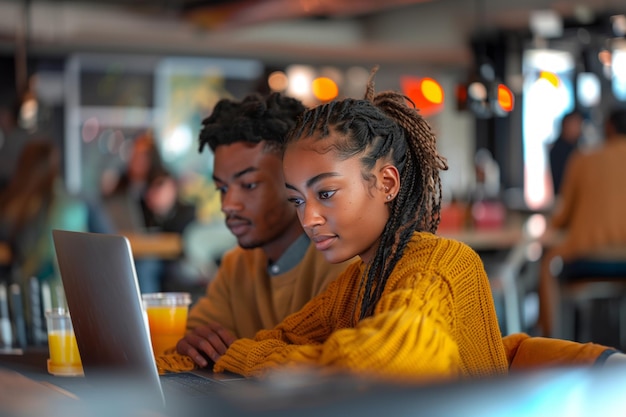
point(275, 269)
point(591, 212)
point(563, 146)
point(363, 176)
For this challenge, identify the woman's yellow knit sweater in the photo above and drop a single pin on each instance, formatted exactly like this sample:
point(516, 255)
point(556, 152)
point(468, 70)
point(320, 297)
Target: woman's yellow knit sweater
point(435, 319)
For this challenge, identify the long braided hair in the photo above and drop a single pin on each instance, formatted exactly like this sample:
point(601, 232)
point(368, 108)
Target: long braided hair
point(384, 126)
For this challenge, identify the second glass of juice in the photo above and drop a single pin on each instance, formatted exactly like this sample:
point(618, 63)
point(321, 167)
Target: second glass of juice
point(64, 357)
point(167, 318)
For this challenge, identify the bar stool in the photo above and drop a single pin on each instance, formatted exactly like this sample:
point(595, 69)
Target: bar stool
point(580, 295)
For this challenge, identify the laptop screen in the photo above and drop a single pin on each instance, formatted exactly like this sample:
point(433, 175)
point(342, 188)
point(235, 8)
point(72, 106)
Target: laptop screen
point(104, 301)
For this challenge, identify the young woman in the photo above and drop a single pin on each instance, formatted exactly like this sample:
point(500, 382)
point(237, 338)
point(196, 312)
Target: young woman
point(364, 177)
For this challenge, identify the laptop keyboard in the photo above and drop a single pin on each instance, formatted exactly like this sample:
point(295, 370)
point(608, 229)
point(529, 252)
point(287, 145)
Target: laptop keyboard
point(186, 384)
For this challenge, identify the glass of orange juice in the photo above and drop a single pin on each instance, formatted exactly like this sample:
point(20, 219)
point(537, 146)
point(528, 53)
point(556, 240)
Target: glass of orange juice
point(64, 356)
point(167, 318)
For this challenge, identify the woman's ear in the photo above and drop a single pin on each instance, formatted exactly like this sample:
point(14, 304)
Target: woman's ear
point(390, 179)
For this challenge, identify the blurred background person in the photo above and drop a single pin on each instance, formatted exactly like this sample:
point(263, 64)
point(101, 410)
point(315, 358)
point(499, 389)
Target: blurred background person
point(12, 139)
point(591, 213)
point(146, 199)
point(564, 145)
point(35, 202)
point(144, 165)
point(167, 213)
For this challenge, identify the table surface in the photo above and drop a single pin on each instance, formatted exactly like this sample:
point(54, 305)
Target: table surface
point(27, 390)
point(155, 245)
point(143, 245)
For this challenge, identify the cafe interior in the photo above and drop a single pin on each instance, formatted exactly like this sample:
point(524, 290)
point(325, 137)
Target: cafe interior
point(494, 78)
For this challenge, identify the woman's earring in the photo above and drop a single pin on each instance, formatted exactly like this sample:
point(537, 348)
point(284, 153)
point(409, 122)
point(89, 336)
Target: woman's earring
point(389, 196)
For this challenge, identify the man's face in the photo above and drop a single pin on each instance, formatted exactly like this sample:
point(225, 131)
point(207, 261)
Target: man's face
point(253, 194)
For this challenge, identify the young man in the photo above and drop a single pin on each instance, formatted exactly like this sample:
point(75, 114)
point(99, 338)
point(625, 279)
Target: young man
point(275, 269)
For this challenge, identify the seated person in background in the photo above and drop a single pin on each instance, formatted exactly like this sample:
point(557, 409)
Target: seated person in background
point(167, 213)
point(132, 212)
point(591, 212)
point(35, 202)
point(144, 164)
point(275, 269)
point(363, 176)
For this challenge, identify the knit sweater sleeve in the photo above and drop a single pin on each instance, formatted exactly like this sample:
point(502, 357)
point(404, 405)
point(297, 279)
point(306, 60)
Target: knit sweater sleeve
point(406, 337)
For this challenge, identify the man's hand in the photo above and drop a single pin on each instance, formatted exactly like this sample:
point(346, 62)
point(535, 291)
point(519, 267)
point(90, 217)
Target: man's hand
point(210, 340)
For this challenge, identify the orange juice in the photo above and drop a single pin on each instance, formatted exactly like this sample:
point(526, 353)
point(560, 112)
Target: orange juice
point(63, 348)
point(167, 326)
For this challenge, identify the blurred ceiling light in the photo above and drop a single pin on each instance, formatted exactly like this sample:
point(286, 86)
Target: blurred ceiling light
point(478, 99)
point(552, 60)
point(432, 91)
point(588, 89)
point(324, 89)
point(477, 91)
point(300, 79)
point(584, 14)
point(29, 113)
point(618, 22)
point(546, 23)
point(619, 74)
point(550, 77)
point(426, 93)
point(278, 81)
point(90, 129)
point(178, 143)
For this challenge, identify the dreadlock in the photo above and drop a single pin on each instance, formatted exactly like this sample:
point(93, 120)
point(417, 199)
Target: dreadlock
point(254, 119)
point(383, 126)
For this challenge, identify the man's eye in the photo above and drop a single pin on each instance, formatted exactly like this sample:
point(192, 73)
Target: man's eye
point(325, 195)
point(296, 201)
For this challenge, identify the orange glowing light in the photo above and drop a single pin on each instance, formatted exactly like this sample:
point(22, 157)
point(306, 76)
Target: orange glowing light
point(506, 99)
point(324, 89)
point(426, 93)
point(432, 91)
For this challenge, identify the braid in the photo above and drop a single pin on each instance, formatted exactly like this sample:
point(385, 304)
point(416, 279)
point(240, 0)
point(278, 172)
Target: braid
point(383, 126)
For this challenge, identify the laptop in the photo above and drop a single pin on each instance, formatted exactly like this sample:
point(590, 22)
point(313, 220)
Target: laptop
point(111, 327)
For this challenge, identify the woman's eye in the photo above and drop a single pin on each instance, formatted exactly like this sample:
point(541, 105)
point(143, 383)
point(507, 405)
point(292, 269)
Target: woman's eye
point(249, 185)
point(222, 189)
point(296, 201)
point(325, 195)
